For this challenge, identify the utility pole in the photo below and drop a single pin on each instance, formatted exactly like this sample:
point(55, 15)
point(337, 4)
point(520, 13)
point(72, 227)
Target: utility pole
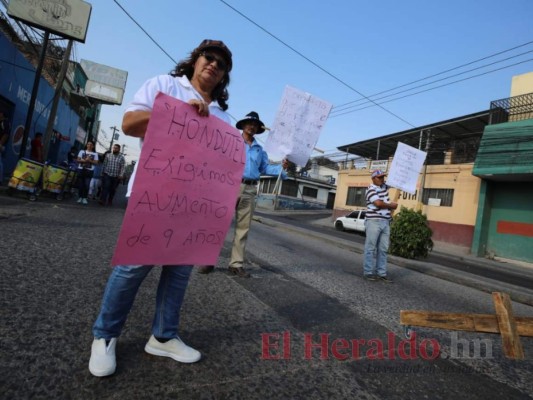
point(115, 129)
point(34, 91)
point(55, 102)
point(419, 204)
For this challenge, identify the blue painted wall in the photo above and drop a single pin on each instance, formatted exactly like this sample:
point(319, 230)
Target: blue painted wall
point(16, 83)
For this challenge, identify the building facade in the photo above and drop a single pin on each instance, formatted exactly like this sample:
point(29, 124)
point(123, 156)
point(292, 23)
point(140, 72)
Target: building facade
point(477, 185)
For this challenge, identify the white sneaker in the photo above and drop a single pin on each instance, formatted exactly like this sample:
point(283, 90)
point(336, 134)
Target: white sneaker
point(84, 201)
point(103, 361)
point(80, 200)
point(174, 348)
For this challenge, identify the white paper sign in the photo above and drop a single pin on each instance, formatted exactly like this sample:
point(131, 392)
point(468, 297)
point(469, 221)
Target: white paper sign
point(405, 167)
point(297, 126)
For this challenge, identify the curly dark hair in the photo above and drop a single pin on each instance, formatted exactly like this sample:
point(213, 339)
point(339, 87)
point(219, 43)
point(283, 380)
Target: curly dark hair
point(186, 67)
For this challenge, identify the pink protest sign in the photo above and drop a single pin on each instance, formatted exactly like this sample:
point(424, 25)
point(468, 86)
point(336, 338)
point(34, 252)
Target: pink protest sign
point(185, 190)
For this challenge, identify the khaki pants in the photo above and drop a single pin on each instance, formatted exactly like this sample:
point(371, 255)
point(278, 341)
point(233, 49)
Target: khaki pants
point(243, 219)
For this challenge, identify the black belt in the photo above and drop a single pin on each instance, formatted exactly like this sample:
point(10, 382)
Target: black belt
point(249, 182)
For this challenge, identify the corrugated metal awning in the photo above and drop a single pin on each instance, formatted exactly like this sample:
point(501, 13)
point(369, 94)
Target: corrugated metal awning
point(460, 135)
point(506, 152)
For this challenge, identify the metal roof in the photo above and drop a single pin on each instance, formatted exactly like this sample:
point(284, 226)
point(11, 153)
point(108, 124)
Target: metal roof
point(461, 135)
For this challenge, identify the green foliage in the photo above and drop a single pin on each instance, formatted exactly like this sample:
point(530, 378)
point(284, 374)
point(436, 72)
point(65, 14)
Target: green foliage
point(410, 234)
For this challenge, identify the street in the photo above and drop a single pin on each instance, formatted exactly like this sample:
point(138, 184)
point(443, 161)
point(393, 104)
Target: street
point(306, 325)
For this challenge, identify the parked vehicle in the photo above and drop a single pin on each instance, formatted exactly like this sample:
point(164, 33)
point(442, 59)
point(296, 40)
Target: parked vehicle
point(355, 221)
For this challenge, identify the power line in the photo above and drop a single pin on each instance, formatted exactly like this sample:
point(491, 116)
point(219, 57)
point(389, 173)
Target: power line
point(368, 98)
point(429, 83)
point(436, 87)
point(441, 73)
point(315, 64)
point(146, 33)
point(432, 82)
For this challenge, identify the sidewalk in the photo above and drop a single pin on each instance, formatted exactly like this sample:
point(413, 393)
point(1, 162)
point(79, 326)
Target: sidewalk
point(473, 273)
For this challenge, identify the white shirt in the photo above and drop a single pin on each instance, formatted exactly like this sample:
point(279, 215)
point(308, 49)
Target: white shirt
point(89, 154)
point(178, 87)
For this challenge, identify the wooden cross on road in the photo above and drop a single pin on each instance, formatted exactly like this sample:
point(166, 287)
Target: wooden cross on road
point(503, 322)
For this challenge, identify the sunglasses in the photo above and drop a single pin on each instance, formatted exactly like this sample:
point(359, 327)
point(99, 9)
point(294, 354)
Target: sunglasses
point(221, 64)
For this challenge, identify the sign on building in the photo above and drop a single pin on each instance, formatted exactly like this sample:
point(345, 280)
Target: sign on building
point(106, 84)
point(379, 164)
point(66, 18)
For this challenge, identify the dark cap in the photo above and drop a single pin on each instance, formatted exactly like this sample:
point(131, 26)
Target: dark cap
point(216, 44)
point(251, 117)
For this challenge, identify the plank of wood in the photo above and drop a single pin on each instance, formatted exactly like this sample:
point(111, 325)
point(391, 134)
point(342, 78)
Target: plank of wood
point(512, 347)
point(486, 323)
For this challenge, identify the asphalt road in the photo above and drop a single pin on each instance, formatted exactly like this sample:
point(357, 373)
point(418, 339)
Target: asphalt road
point(253, 333)
point(306, 221)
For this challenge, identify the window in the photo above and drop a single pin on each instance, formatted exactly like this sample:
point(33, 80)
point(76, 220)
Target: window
point(310, 192)
point(289, 188)
point(268, 185)
point(445, 196)
point(356, 196)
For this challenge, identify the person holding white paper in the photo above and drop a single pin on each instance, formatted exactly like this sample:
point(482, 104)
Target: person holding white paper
point(200, 80)
point(256, 165)
point(377, 228)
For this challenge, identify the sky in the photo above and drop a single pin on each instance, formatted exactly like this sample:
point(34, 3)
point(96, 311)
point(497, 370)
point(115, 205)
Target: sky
point(337, 50)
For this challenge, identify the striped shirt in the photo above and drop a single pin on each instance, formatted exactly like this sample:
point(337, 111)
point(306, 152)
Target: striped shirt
point(373, 193)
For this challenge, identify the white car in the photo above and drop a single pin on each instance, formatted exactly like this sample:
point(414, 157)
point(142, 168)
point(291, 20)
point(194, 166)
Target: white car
point(355, 221)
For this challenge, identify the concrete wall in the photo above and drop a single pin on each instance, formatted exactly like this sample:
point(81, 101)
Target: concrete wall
point(522, 84)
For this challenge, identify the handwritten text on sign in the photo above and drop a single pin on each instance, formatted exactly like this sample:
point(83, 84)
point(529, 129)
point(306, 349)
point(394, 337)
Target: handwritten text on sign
point(297, 126)
point(405, 168)
point(185, 190)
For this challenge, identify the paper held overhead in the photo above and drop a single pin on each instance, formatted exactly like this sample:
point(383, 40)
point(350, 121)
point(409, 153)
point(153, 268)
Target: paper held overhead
point(299, 121)
point(405, 168)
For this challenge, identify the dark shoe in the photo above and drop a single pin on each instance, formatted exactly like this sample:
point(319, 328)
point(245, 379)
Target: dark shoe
point(205, 269)
point(370, 277)
point(240, 272)
point(384, 279)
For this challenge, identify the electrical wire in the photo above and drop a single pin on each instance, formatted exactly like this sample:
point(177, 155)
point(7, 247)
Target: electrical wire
point(432, 82)
point(315, 64)
point(440, 73)
point(367, 98)
point(146, 33)
point(436, 87)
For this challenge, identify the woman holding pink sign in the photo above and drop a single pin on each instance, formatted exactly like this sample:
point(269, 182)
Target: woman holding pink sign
point(200, 80)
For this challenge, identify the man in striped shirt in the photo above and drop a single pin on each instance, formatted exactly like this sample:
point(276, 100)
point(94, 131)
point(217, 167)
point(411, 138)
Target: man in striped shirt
point(377, 227)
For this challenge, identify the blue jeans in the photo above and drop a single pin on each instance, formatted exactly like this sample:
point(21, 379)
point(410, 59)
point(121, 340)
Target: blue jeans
point(120, 292)
point(376, 246)
point(84, 182)
point(109, 186)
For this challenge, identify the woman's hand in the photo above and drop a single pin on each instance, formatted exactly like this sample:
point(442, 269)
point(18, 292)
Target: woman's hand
point(201, 106)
